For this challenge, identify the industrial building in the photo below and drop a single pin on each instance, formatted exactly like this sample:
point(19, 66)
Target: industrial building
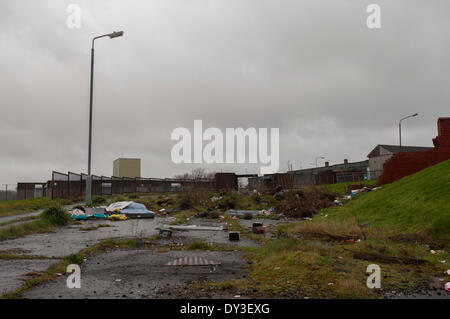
point(127, 167)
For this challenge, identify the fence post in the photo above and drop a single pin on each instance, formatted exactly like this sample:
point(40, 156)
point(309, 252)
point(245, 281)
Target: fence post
point(51, 189)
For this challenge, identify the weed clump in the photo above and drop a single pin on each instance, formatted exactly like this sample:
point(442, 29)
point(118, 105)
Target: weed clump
point(56, 215)
point(98, 200)
point(75, 259)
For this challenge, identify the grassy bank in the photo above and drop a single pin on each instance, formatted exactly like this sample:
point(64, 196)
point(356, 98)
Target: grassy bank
point(419, 203)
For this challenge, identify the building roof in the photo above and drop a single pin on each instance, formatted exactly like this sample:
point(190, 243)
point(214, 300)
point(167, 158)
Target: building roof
point(394, 149)
point(350, 166)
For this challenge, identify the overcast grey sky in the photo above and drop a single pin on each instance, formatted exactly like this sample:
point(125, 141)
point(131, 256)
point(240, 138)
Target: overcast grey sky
point(312, 68)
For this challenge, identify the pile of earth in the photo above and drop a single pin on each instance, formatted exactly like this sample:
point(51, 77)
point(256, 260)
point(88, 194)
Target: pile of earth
point(301, 204)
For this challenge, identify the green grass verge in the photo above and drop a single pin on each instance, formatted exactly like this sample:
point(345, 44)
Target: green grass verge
point(416, 203)
point(16, 207)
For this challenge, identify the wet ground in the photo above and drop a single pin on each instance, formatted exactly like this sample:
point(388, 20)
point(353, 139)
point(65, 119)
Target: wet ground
point(64, 241)
point(142, 274)
point(137, 273)
point(70, 240)
point(13, 271)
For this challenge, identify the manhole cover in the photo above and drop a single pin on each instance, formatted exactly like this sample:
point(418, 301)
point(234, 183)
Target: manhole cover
point(193, 261)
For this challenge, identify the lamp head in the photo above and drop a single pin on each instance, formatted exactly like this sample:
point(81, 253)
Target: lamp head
point(115, 34)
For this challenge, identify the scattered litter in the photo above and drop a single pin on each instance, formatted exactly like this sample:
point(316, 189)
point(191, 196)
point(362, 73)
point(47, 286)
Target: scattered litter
point(162, 210)
point(100, 216)
point(242, 212)
point(330, 284)
point(117, 217)
point(258, 228)
point(433, 251)
point(233, 235)
point(165, 233)
point(448, 272)
point(237, 296)
point(118, 280)
point(130, 209)
point(215, 198)
point(78, 214)
point(350, 240)
point(447, 286)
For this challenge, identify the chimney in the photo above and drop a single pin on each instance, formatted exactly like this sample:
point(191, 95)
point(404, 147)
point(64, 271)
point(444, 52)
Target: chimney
point(327, 164)
point(345, 161)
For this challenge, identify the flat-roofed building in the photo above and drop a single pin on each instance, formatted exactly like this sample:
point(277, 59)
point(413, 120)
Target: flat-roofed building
point(127, 167)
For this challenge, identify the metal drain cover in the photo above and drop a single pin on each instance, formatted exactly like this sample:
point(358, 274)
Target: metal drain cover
point(193, 261)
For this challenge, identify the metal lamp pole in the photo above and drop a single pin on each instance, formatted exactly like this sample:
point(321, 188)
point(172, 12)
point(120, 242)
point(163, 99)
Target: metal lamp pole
point(89, 177)
point(400, 128)
point(319, 157)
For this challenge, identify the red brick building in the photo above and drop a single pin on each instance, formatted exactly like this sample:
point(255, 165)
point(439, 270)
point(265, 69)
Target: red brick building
point(407, 163)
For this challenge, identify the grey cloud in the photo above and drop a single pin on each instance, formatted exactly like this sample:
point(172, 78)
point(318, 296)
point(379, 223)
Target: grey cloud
point(313, 69)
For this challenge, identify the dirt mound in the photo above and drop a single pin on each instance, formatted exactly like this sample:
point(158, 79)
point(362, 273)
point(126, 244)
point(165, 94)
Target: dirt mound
point(301, 204)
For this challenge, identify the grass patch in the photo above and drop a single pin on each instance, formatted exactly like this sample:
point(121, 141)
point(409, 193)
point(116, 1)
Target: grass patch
point(182, 216)
point(50, 218)
point(56, 215)
point(15, 207)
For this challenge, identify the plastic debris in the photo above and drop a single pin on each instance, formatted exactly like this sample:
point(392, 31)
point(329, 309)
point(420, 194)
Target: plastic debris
point(258, 228)
point(447, 286)
point(233, 235)
point(130, 209)
point(165, 233)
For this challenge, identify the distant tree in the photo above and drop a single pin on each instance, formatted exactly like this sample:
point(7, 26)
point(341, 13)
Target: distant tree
point(196, 174)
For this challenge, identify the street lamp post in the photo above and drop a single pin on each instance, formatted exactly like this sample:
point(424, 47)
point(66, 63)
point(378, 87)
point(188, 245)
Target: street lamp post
point(89, 177)
point(319, 157)
point(400, 128)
